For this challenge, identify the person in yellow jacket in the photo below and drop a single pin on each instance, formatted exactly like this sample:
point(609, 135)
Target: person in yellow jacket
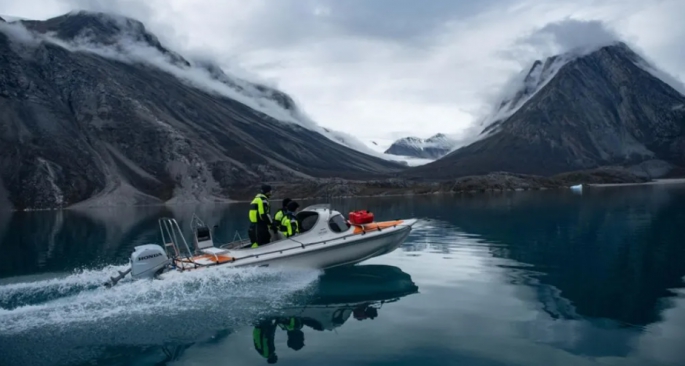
point(289, 225)
point(281, 211)
point(260, 218)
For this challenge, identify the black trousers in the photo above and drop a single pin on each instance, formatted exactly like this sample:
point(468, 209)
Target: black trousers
point(259, 233)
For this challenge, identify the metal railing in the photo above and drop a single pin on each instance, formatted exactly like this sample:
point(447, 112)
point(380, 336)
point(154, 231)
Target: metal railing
point(169, 229)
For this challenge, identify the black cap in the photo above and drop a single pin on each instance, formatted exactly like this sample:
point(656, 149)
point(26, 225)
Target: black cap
point(266, 188)
point(285, 202)
point(292, 206)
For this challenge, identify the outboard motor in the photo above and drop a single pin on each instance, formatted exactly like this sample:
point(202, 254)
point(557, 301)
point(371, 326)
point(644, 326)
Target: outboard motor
point(147, 260)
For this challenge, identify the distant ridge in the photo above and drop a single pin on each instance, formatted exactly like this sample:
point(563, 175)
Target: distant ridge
point(433, 147)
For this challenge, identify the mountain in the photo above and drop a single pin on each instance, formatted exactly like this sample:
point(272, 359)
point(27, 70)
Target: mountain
point(576, 111)
point(433, 147)
point(96, 111)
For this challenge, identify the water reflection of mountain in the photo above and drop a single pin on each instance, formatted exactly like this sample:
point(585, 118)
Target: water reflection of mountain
point(613, 256)
point(607, 258)
point(603, 250)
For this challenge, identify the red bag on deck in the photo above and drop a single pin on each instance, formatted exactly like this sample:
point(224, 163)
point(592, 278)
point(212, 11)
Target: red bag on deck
point(361, 217)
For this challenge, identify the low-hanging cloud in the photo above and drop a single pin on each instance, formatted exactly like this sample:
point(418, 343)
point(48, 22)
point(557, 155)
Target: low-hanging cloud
point(128, 49)
point(567, 39)
point(579, 37)
point(571, 35)
point(372, 68)
point(17, 32)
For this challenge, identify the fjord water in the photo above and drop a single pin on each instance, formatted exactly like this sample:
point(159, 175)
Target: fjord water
point(520, 278)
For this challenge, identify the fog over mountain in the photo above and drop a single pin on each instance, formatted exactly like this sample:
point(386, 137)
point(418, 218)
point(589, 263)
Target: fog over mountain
point(98, 110)
point(597, 103)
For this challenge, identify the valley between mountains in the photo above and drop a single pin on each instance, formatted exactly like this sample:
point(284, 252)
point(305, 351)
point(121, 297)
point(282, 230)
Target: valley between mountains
point(95, 111)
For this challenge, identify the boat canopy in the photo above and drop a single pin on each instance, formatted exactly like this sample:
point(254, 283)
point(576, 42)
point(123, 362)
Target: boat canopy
point(320, 215)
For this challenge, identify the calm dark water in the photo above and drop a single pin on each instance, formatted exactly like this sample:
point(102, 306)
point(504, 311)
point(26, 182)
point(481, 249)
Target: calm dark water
point(525, 278)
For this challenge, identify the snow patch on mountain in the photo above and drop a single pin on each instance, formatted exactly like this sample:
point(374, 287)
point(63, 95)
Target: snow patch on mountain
point(567, 40)
point(431, 148)
point(556, 43)
point(440, 141)
point(133, 44)
point(372, 149)
point(525, 85)
point(519, 90)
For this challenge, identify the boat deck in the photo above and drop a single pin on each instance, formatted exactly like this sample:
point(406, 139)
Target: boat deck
point(202, 260)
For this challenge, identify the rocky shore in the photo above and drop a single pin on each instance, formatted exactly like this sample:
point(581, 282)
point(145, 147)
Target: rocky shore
point(496, 181)
point(492, 182)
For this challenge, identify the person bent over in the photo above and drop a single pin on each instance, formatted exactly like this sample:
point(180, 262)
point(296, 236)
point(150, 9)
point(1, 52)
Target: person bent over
point(289, 224)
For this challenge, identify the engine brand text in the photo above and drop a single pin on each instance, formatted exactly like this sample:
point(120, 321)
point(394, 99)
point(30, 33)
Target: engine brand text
point(149, 256)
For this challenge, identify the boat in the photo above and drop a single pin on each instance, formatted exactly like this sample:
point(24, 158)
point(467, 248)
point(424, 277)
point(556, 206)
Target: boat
point(326, 240)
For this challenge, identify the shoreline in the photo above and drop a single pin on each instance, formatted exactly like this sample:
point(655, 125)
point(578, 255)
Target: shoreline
point(310, 191)
point(654, 182)
point(275, 199)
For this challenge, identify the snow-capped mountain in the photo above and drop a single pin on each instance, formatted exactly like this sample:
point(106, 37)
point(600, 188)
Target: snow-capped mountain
point(433, 147)
point(96, 109)
point(121, 38)
point(576, 111)
point(535, 79)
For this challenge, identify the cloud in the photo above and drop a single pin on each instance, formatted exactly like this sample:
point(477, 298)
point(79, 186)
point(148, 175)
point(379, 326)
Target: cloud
point(571, 35)
point(371, 68)
point(18, 33)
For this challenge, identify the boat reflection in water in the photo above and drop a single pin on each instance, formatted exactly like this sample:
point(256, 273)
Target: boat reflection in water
point(357, 292)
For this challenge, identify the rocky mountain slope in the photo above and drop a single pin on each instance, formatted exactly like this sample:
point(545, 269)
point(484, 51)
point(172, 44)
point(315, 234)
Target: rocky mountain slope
point(96, 111)
point(575, 112)
point(433, 147)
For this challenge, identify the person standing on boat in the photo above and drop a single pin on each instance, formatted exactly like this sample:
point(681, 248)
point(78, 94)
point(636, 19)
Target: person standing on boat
point(289, 224)
point(260, 218)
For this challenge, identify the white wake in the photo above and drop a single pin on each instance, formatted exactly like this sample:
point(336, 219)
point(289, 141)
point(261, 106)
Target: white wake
point(80, 299)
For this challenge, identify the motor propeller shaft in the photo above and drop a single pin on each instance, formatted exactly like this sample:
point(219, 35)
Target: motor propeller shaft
point(113, 280)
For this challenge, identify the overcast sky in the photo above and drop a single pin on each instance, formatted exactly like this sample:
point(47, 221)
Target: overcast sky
point(382, 69)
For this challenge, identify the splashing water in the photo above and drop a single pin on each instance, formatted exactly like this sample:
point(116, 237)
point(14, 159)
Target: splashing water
point(22, 293)
point(80, 299)
point(64, 318)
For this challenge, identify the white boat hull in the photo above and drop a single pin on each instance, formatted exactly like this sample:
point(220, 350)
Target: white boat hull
point(326, 241)
point(324, 255)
